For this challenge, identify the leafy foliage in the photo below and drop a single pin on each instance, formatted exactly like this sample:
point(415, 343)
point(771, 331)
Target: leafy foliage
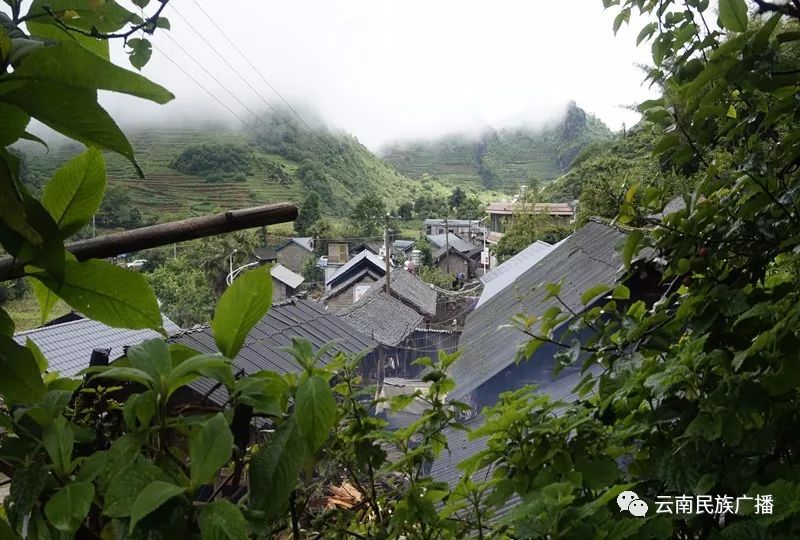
point(214, 162)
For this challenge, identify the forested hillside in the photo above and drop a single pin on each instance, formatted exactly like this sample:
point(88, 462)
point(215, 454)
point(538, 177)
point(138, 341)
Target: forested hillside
point(501, 159)
point(201, 170)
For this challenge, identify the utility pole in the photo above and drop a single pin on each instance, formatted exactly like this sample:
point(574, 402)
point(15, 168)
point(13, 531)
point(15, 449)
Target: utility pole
point(386, 251)
point(447, 244)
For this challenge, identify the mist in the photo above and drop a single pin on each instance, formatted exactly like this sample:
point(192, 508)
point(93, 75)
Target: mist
point(393, 69)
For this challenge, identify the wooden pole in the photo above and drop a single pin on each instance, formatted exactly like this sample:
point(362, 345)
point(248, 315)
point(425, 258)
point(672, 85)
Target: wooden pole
point(386, 252)
point(163, 234)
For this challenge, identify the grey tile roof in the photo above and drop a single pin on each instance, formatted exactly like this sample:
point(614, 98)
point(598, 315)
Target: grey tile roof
point(388, 320)
point(674, 205)
point(403, 245)
point(366, 259)
point(68, 346)
point(263, 348)
point(505, 274)
point(305, 242)
point(411, 291)
point(588, 257)
point(440, 240)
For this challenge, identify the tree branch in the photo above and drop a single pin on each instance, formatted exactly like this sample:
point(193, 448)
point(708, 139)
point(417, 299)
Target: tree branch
point(149, 25)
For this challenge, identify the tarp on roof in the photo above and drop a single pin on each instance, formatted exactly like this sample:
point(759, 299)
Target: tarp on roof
point(263, 348)
point(506, 273)
point(68, 346)
point(588, 257)
point(284, 275)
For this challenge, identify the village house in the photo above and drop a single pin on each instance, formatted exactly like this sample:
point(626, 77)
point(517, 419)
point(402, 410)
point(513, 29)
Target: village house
point(284, 282)
point(68, 345)
point(488, 367)
point(462, 228)
point(507, 273)
point(351, 281)
point(398, 320)
point(265, 343)
point(295, 252)
point(501, 214)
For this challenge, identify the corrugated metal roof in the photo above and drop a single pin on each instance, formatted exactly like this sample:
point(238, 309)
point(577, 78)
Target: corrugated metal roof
point(284, 275)
point(365, 258)
point(68, 346)
point(263, 348)
point(505, 274)
point(440, 240)
point(451, 222)
point(588, 257)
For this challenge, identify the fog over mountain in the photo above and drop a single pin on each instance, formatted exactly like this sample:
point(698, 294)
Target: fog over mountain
point(395, 69)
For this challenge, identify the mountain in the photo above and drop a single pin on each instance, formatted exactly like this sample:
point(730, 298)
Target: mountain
point(198, 170)
point(501, 158)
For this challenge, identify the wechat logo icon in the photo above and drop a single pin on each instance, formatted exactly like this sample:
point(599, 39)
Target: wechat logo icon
point(630, 501)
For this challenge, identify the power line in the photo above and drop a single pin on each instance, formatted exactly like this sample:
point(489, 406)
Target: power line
point(207, 72)
point(198, 83)
point(224, 60)
point(263, 78)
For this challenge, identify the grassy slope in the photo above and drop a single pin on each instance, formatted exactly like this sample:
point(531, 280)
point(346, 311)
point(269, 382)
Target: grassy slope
point(167, 194)
point(513, 154)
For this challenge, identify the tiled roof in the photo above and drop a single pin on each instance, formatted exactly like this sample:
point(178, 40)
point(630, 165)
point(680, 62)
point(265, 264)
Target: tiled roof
point(284, 275)
point(403, 245)
point(366, 258)
point(411, 291)
point(674, 205)
point(451, 222)
point(263, 348)
point(346, 284)
point(305, 242)
point(388, 320)
point(68, 346)
point(554, 209)
point(440, 240)
point(505, 274)
point(588, 257)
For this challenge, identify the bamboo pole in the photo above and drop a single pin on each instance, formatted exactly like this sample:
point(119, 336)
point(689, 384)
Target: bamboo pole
point(163, 234)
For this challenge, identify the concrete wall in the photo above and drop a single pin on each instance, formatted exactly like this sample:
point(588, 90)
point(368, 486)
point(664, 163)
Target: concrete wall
point(457, 264)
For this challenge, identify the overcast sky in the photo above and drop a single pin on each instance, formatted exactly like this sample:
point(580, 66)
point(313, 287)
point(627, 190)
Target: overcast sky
point(398, 69)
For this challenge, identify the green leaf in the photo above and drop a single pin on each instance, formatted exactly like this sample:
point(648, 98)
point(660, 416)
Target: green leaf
point(58, 440)
point(631, 246)
point(67, 509)
point(127, 374)
point(221, 520)
point(245, 302)
point(209, 365)
point(48, 30)
point(21, 381)
point(126, 485)
point(593, 292)
point(38, 355)
point(315, 410)
point(733, 15)
point(274, 471)
point(75, 191)
point(731, 112)
point(646, 32)
point(140, 53)
point(210, 447)
point(75, 114)
point(7, 325)
point(12, 207)
point(151, 357)
point(622, 17)
point(621, 292)
point(151, 498)
point(598, 472)
point(163, 22)
point(106, 293)
point(14, 121)
point(46, 298)
point(140, 3)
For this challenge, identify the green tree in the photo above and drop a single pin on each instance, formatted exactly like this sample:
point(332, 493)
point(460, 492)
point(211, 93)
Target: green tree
point(368, 215)
point(525, 229)
point(456, 197)
point(308, 215)
point(183, 290)
point(406, 210)
point(118, 210)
